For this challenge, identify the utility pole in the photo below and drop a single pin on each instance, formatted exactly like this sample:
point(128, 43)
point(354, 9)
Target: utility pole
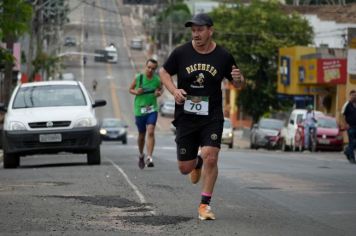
point(170, 30)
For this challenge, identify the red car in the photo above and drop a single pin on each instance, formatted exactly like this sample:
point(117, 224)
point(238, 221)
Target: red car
point(329, 135)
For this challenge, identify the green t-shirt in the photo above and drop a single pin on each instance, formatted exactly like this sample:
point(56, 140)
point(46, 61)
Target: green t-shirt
point(147, 102)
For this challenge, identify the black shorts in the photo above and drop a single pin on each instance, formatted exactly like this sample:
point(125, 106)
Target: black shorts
point(189, 138)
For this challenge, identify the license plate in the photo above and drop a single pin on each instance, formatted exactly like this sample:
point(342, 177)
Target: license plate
point(324, 141)
point(50, 138)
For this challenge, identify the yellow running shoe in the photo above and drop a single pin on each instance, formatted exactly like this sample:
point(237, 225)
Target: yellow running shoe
point(195, 175)
point(205, 212)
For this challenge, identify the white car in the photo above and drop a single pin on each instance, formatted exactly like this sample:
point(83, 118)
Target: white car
point(136, 43)
point(50, 117)
point(288, 132)
point(228, 133)
point(167, 108)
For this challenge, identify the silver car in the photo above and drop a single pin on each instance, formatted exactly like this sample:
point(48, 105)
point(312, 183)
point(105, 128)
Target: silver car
point(114, 129)
point(266, 133)
point(167, 108)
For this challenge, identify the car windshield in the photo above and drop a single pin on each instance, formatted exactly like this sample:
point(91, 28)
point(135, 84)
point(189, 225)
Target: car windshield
point(327, 123)
point(271, 124)
point(49, 96)
point(113, 123)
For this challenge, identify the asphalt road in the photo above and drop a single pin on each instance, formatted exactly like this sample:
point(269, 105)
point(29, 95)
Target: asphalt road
point(257, 192)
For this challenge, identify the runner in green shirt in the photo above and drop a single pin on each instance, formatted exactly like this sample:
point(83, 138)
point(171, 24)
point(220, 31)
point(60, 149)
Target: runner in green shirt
point(146, 87)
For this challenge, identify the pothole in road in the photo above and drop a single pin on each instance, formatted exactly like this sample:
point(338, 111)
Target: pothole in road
point(164, 187)
point(262, 188)
point(324, 167)
point(129, 212)
point(106, 201)
point(159, 220)
point(31, 185)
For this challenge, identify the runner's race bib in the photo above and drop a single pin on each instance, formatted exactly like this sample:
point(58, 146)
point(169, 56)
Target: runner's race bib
point(197, 105)
point(147, 109)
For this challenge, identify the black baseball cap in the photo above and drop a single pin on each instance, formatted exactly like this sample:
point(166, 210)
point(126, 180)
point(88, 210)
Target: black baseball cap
point(200, 19)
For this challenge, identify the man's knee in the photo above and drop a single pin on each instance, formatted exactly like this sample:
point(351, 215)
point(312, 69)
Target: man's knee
point(141, 136)
point(210, 160)
point(210, 156)
point(185, 167)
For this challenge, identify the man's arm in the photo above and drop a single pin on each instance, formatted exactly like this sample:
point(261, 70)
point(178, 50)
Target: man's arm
point(159, 90)
point(343, 118)
point(166, 78)
point(132, 89)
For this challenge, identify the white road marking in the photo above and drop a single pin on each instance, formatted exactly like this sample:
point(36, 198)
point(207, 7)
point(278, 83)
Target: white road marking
point(134, 187)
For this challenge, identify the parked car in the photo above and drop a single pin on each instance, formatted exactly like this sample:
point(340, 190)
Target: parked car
point(266, 133)
point(70, 41)
point(167, 108)
point(228, 133)
point(136, 43)
point(328, 135)
point(49, 117)
point(288, 132)
point(114, 129)
point(67, 76)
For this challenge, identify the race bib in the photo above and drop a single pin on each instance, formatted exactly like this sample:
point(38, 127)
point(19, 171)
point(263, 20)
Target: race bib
point(197, 105)
point(147, 109)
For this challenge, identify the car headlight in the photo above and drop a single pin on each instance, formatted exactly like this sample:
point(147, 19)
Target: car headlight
point(230, 135)
point(16, 125)
point(85, 122)
point(103, 131)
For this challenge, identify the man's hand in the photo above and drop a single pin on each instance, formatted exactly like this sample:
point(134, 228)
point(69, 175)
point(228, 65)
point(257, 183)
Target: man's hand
point(139, 91)
point(237, 78)
point(158, 92)
point(179, 96)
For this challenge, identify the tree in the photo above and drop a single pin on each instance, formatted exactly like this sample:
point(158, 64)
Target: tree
point(13, 23)
point(44, 63)
point(254, 33)
point(170, 21)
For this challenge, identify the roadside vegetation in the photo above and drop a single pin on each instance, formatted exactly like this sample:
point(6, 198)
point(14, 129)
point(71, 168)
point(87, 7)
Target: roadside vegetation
point(254, 33)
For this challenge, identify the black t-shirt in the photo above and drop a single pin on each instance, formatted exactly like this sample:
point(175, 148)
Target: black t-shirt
point(350, 114)
point(200, 75)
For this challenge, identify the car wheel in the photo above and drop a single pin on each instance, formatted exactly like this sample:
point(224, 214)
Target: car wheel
point(124, 141)
point(252, 146)
point(93, 157)
point(11, 160)
point(255, 145)
point(231, 145)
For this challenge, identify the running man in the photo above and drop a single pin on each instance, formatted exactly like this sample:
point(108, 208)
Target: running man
point(200, 66)
point(146, 87)
point(349, 118)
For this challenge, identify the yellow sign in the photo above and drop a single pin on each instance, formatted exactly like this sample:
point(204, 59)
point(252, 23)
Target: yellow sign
point(353, 43)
